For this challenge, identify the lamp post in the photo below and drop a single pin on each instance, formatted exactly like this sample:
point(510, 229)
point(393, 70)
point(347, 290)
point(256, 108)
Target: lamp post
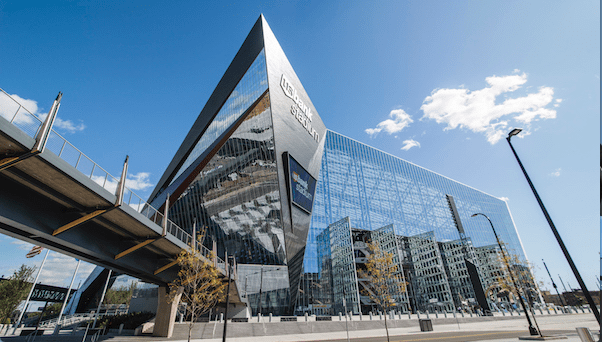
point(586, 293)
point(553, 284)
point(532, 330)
point(562, 282)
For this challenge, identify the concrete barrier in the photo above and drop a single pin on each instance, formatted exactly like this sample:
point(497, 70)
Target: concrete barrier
point(314, 324)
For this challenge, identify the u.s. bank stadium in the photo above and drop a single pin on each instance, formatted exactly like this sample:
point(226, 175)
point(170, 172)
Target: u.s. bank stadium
point(296, 204)
point(268, 181)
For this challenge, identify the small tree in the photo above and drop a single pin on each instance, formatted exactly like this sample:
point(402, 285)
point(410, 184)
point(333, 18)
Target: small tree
point(13, 291)
point(381, 273)
point(523, 274)
point(199, 283)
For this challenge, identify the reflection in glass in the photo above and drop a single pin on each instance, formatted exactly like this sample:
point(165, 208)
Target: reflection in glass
point(250, 87)
point(235, 202)
point(375, 189)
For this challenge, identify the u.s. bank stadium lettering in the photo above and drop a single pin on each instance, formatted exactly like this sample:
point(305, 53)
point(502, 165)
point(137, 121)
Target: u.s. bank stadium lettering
point(299, 110)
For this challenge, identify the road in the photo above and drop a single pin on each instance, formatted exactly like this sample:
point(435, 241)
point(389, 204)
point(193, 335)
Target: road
point(456, 336)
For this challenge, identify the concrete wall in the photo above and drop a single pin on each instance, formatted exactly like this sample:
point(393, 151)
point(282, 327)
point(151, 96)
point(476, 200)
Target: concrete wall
point(265, 328)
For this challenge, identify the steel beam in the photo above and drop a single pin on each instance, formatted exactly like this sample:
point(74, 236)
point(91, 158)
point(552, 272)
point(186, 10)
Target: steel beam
point(173, 263)
point(132, 249)
point(80, 221)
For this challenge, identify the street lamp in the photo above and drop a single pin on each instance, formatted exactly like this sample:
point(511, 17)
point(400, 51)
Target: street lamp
point(553, 284)
point(532, 330)
point(586, 293)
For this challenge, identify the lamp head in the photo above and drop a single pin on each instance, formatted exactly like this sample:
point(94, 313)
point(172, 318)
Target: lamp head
point(514, 132)
point(473, 215)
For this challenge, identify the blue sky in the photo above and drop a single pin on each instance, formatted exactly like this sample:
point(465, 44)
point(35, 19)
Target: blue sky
point(437, 83)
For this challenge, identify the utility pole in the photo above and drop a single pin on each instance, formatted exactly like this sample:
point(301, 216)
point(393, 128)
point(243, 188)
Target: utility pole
point(565, 290)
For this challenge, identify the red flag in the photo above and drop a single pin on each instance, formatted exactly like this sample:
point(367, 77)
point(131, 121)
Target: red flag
point(34, 251)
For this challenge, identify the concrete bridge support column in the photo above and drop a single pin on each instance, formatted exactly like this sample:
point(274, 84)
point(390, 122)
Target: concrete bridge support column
point(166, 312)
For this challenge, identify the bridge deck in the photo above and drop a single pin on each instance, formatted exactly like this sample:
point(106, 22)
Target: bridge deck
point(44, 192)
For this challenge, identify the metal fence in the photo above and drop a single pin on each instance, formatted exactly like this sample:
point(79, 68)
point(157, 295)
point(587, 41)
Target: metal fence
point(28, 122)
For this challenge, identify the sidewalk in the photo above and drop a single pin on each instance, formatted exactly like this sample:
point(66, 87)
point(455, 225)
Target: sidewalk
point(565, 323)
point(546, 323)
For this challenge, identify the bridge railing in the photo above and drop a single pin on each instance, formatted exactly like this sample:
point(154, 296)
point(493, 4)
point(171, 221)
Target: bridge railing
point(28, 122)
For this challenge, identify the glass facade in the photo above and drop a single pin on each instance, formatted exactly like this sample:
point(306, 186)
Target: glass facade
point(345, 294)
point(453, 254)
point(387, 242)
point(253, 84)
point(374, 189)
point(233, 194)
point(429, 281)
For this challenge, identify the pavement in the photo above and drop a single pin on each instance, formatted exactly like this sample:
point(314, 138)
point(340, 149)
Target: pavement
point(497, 330)
point(478, 331)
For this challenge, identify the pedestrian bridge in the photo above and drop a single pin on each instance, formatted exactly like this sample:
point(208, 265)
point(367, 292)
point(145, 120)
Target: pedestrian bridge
point(53, 195)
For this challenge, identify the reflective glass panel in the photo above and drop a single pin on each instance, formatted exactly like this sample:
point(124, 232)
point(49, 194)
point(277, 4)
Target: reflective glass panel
point(250, 87)
point(375, 189)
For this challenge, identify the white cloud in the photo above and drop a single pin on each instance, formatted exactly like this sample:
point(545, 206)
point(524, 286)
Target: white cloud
point(477, 110)
point(68, 125)
point(556, 172)
point(8, 109)
point(408, 144)
point(59, 268)
point(399, 120)
point(22, 245)
point(134, 182)
point(505, 199)
point(64, 125)
point(138, 181)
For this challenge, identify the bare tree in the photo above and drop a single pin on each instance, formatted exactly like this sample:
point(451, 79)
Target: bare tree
point(522, 271)
point(385, 286)
point(199, 283)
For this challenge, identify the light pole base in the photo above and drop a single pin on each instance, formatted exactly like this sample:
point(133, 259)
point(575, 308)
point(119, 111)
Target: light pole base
point(533, 331)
